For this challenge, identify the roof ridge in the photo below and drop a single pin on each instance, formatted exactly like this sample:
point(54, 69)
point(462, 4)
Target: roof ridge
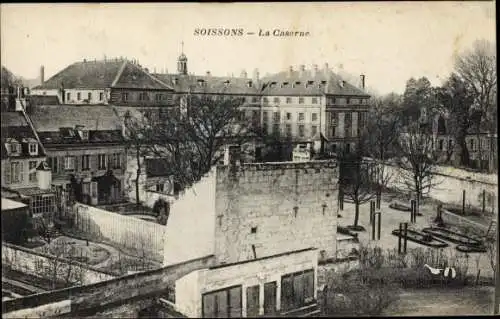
point(119, 74)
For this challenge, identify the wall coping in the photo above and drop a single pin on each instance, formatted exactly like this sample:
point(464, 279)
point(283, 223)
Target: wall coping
point(66, 293)
point(279, 165)
point(263, 258)
point(49, 256)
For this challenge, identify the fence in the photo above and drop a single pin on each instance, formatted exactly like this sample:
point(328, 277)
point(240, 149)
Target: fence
point(144, 237)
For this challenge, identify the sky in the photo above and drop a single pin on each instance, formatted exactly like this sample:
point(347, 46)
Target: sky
point(389, 42)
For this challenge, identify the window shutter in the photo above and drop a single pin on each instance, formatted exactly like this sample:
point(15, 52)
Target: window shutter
point(21, 172)
point(110, 161)
point(61, 163)
point(77, 160)
point(7, 167)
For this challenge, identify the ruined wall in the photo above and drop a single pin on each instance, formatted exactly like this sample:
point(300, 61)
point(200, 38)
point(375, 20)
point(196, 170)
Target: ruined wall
point(271, 208)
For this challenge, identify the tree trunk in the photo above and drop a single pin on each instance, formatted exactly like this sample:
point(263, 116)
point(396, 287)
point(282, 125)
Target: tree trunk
point(137, 178)
point(356, 214)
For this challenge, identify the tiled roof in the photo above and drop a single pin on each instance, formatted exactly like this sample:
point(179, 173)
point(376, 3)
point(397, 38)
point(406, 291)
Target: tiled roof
point(50, 118)
point(210, 84)
point(14, 126)
point(103, 74)
point(13, 119)
point(85, 75)
point(35, 100)
point(318, 82)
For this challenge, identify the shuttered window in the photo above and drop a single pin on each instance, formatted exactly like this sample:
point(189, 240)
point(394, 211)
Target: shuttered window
point(297, 290)
point(253, 301)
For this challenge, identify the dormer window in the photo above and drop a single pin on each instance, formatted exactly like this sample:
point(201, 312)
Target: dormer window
point(13, 146)
point(226, 83)
point(33, 149)
point(200, 82)
point(250, 84)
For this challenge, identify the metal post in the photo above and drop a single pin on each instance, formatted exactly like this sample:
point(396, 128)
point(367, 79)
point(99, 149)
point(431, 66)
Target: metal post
point(372, 211)
point(379, 222)
point(341, 199)
point(379, 198)
point(412, 211)
point(399, 237)
point(484, 201)
point(373, 227)
point(463, 202)
point(406, 237)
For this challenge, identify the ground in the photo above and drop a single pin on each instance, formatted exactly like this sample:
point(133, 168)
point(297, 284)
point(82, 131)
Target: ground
point(439, 302)
point(390, 220)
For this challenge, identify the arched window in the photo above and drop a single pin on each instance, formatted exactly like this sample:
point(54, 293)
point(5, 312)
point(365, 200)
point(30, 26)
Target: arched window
point(441, 126)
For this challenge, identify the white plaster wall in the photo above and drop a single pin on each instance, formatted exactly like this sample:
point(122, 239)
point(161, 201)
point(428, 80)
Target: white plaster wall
point(190, 228)
point(187, 295)
point(247, 274)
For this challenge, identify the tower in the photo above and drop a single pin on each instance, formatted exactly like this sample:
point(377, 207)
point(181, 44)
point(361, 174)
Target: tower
point(182, 62)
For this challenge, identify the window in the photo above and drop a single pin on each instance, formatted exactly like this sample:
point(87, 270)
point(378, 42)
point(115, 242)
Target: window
point(78, 96)
point(42, 204)
point(297, 290)
point(264, 116)
point(333, 100)
point(450, 145)
point(347, 124)
point(334, 119)
point(143, 96)
point(276, 116)
point(301, 131)
point(53, 164)
point(333, 130)
point(158, 97)
point(225, 303)
point(125, 96)
point(85, 162)
point(32, 171)
point(68, 96)
point(101, 160)
point(160, 187)
point(301, 100)
point(301, 116)
point(265, 127)
point(14, 173)
point(441, 142)
point(265, 99)
point(314, 130)
point(276, 100)
point(288, 100)
point(276, 128)
point(33, 148)
point(85, 135)
point(14, 147)
point(361, 121)
point(314, 117)
point(69, 163)
point(288, 116)
point(471, 143)
point(255, 99)
point(348, 101)
point(348, 148)
point(253, 301)
point(89, 96)
point(116, 161)
point(101, 96)
point(314, 100)
point(289, 130)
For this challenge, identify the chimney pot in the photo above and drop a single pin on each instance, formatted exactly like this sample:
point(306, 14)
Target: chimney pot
point(208, 73)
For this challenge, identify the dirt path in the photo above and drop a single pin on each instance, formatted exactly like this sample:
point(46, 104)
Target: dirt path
point(435, 302)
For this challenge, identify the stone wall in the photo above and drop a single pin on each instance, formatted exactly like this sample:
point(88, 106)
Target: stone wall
point(41, 265)
point(129, 232)
point(190, 288)
point(107, 297)
point(269, 208)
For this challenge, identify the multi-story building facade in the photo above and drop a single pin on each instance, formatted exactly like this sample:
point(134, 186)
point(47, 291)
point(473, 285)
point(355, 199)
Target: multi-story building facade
point(85, 150)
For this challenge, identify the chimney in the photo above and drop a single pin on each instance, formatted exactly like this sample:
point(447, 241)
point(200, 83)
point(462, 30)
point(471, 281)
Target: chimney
point(290, 71)
point(256, 74)
point(243, 74)
point(44, 176)
point(146, 69)
point(174, 81)
point(302, 69)
point(326, 68)
point(250, 84)
point(208, 73)
point(362, 81)
point(314, 70)
point(42, 74)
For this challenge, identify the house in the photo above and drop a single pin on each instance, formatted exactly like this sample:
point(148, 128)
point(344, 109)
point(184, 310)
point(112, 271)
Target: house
point(85, 150)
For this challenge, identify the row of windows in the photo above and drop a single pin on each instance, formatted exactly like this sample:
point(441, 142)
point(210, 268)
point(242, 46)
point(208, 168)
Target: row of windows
point(301, 130)
point(144, 96)
point(79, 96)
point(288, 116)
point(14, 172)
point(289, 100)
point(15, 148)
point(69, 163)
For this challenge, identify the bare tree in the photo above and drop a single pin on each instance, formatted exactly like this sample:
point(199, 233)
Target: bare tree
point(477, 68)
point(418, 161)
point(60, 268)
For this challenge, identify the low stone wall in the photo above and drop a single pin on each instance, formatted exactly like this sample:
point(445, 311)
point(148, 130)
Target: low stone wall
point(42, 265)
point(99, 298)
point(144, 237)
point(461, 221)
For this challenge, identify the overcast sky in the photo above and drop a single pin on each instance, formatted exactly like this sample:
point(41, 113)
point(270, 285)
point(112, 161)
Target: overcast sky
point(388, 42)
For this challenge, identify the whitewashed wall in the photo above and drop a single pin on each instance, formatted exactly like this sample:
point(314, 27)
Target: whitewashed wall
point(129, 232)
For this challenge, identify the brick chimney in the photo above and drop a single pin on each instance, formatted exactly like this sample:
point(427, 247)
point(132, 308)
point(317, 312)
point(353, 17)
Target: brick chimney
point(290, 71)
point(314, 70)
point(256, 75)
point(362, 81)
point(243, 74)
point(42, 74)
point(302, 69)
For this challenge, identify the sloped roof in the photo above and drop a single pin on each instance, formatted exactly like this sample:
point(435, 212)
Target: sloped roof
point(14, 125)
point(50, 118)
point(13, 119)
point(103, 74)
point(319, 82)
point(210, 84)
point(35, 100)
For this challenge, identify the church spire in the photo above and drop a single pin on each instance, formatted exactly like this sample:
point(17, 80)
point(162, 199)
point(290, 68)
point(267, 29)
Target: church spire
point(182, 61)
